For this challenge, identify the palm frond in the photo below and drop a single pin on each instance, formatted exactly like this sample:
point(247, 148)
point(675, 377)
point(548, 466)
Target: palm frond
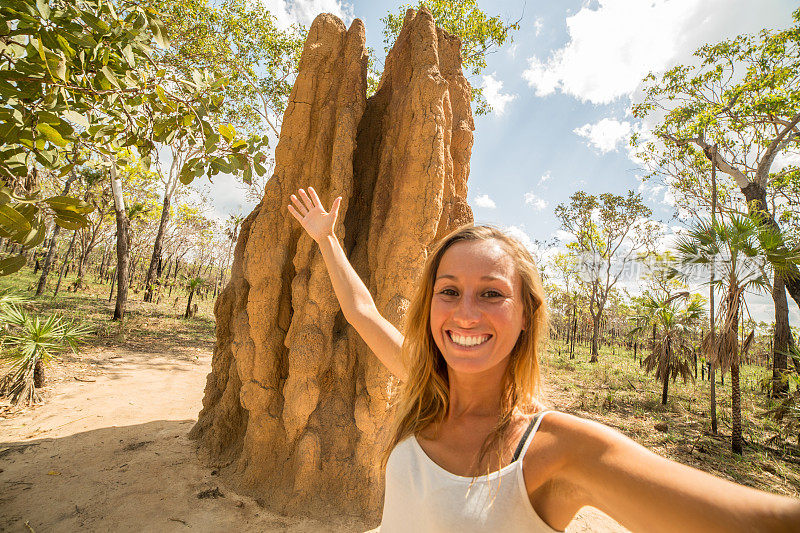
point(33, 340)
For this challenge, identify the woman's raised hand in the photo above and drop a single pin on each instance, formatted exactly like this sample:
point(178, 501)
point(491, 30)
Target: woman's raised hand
point(308, 210)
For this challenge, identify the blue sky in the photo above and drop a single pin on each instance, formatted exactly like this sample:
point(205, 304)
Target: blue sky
point(561, 93)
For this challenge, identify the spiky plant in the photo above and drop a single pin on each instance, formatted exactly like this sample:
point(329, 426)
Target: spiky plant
point(671, 319)
point(742, 251)
point(28, 345)
point(192, 285)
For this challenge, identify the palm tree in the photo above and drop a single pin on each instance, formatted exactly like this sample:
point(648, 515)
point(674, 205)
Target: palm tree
point(671, 319)
point(29, 343)
point(741, 251)
point(192, 285)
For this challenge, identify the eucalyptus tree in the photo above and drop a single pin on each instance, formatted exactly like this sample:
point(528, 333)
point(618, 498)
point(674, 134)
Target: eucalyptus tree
point(737, 108)
point(239, 40)
point(480, 34)
point(567, 267)
point(741, 251)
point(610, 231)
point(76, 74)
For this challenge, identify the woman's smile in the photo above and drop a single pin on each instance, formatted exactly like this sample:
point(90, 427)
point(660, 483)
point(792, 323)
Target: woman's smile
point(467, 340)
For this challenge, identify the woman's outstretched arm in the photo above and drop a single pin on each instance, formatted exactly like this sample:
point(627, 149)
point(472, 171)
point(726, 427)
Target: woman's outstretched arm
point(354, 298)
point(645, 492)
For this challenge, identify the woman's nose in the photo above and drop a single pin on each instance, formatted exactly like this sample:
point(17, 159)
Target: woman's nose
point(466, 311)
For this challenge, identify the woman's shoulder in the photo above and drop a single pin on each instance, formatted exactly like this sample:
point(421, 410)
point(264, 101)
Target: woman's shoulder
point(563, 438)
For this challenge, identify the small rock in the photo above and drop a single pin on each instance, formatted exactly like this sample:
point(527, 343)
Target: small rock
point(661, 426)
point(210, 493)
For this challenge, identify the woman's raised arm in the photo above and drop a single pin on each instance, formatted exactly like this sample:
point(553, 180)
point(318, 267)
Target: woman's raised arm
point(354, 298)
point(646, 492)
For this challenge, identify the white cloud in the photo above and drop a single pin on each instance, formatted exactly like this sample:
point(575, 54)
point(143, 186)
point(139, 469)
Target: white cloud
point(545, 178)
point(512, 50)
point(519, 233)
point(606, 134)
point(613, 44)
point(564, 236)
point(484, 201)
point(538, 24)
point(492, 90)
point(303, 12)
point(534, 201)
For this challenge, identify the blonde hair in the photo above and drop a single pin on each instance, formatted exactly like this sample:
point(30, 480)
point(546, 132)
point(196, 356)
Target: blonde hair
point(423, 398)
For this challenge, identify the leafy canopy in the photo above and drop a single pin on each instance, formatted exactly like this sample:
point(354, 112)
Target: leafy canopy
point(78, 77)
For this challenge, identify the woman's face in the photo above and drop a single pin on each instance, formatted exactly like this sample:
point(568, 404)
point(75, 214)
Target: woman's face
point(477, 310)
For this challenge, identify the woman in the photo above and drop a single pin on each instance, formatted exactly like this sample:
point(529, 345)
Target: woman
point(463, 455)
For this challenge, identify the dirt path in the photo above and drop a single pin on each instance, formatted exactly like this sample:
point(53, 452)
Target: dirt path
point(108, 451)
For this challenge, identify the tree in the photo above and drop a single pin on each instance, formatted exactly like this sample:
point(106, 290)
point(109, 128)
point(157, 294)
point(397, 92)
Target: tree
point(57, 98)
point(479, 34)
point(740, 249)
point(192, 285)
point(610, 230)
point(30, 343)
point(738, 110)
point(566, 264)
point(671, 319)
point(240, 41)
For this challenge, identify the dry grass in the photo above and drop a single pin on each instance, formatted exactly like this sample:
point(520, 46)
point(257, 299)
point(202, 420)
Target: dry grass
point(617, 392)
point(147, 326)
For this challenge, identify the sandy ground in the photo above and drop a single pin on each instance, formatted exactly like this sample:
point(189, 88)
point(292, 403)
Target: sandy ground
point(108, 451)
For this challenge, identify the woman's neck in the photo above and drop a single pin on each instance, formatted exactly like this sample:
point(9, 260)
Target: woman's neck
point(476, 395)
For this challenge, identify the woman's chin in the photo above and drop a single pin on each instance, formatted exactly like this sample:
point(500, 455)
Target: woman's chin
point(466, 363)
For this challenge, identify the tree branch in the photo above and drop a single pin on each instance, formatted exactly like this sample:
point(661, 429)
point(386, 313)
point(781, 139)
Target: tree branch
point(777, 144)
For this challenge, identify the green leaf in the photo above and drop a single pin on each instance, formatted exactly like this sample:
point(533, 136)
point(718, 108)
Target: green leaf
point(9, 265)
point(127, 53)
point(227, 131)
point(35, 237)
point(110, 76)
point(43, 8)
point(94, 22)
point(159, 33)
point(70, 220)
point(51, 134)
point(76, 117)
point(67, 203)
point(12, 220)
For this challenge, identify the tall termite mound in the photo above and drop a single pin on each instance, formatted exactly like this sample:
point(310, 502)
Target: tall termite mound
point(296, 403)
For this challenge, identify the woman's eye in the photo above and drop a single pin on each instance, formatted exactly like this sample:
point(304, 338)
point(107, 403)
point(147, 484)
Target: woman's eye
point(492, 294)
point(448, 292)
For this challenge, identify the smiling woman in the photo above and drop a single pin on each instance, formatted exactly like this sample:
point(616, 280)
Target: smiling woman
point(463, 456)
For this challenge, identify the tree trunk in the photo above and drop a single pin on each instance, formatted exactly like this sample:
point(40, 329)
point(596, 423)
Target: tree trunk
point(780, 339)
point(664, 391)
point(38, 374)
point(123, 244)
point(152, 270)
point(736, 407)
point(574, 332)
point(64, 264)
point(48, 260)
point(756, 197)
point(188, 305)
point(595, 335)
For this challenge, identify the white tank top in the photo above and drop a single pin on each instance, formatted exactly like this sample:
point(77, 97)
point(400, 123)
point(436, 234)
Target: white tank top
point(421, 496)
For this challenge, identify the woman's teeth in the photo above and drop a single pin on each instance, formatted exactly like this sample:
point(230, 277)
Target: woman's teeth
point(467, 342)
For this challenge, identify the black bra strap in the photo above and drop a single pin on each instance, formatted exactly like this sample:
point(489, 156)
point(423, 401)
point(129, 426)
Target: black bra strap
point(525, 436)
